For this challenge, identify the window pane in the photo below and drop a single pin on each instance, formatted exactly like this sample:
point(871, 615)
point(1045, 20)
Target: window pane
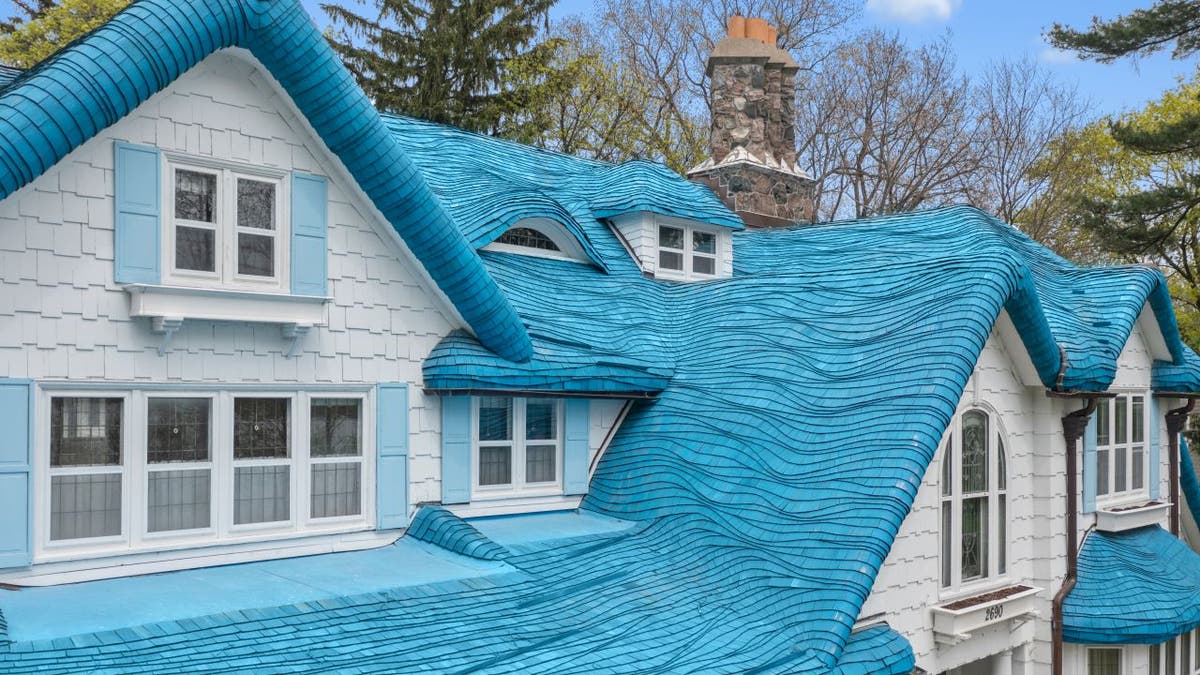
point(1185, 654)
point(261, 494)
point(702, 265)
point(974, 538)
point(260, 428)
point(1169, 662)
point(1120, 420)
point(1104, 662)
point(179, 500)
point(947, 536)
point(336, 427)
point(670, 261)
point(195, 249)
point(539, 419)
point(1002, 532)
point(974, 453)
point(1137, 468)
point(177, 430)
point(85, 506)
point(703, 242)
point(1102, 472)
point(1002, 461)
point(1120, 471)
point(495, 465)
point(255, 204)
point(196, 196)
point(256, 255)
point(1155, 660)
point(336, 489)
point(495, 418)
point(85, 432)
point(1139, 419)
point(527, 238)
point(670, 237)
point(1102, 436)
point(539, 464)
point(948, 467)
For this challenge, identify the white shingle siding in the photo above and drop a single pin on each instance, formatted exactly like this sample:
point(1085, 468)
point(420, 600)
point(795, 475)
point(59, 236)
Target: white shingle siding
point(61, 315)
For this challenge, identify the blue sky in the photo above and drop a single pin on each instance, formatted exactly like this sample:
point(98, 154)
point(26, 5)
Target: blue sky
point(983, 31)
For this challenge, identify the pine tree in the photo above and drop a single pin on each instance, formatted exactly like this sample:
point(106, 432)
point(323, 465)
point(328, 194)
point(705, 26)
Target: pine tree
point(441, 60)
point(45, 26)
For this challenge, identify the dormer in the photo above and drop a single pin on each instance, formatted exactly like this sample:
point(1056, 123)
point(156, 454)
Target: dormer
point(676, 249)
point(543, 238)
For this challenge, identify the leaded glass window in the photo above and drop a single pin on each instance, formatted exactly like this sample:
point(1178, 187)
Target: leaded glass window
point(974, 504)
point(86, 458)
point(527, 237)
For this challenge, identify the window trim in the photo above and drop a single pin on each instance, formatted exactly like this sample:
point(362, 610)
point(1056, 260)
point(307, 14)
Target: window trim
point(688, 272)
point(519, 487)
point(135, 537)
point(1122, 658)
point(1193, 639)
point(569, 247)
point(998, 437)
point(1130, 495)
point(226, 275)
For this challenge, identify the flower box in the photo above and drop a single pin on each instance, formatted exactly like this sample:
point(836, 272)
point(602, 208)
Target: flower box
point(955, 620)
point(1130, 517)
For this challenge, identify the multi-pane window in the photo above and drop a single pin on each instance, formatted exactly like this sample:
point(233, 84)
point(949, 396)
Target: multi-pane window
point(1121, 449)
point(226, 226)
point(159, 468)
point(687, 250)
point(518, 445)
point(1104, 660)
point(179, 464)
point(86, 467)
point(974, 501)
point(527, 237)
point(335, 449)
point(1177, 656)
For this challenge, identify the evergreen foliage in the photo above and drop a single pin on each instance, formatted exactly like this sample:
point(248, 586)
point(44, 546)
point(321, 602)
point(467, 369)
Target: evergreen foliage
point(45, 26)
point(443, 60)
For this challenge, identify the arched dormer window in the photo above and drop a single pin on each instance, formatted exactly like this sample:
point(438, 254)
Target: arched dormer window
point(974, 501)
point(542, 237)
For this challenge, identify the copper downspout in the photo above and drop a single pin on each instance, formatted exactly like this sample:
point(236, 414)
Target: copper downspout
point(1175, 421)
point(1074, 425)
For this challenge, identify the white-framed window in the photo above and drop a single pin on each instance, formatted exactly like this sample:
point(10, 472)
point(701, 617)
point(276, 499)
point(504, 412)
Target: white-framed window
point(1177, 656)
point(227, 226)
point(1105, 660)
point(126, 470)
point(974, 503)
point(541, 238)
point(517, 446)
point(1122, 454)
point(686, 251)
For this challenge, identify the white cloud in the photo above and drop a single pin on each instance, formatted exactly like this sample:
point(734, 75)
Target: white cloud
point(1056, 56)
point(913, 11)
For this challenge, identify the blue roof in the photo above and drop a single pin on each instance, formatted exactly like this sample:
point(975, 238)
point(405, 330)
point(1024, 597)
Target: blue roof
point(1136, 587)
point(8, 75)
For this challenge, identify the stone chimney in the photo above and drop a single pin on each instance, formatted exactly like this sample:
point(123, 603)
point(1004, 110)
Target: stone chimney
point(752, 167)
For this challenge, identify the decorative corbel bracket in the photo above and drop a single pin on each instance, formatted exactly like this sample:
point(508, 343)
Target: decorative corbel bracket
point(167, 327)
point(294, 332)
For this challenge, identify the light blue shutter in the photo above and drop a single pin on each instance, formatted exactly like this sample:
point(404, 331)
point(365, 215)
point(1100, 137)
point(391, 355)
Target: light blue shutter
point(391, 471)
point(1155, 451)
point(1089, 464)
point(456, 449)
point(136, 244)
point(575, 447)
point(16, 494)
point(310, 257)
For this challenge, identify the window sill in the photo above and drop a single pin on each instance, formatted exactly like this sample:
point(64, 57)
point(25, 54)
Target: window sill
point(511, 505)
point(1118, 518)
point(169, 306)
point(954, 621)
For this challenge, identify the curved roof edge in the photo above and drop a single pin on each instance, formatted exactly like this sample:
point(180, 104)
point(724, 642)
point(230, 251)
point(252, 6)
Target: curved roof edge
point(1135, 587)
point(94, 82)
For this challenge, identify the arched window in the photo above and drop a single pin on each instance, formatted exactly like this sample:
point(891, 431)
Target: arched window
point(974, 496)
point(527, 237)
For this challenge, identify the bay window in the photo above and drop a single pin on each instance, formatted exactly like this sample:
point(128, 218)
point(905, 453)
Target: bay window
point(226, 226)
point(1121, 450)
point(517, 446)
point(137, 470)
point(974, 502)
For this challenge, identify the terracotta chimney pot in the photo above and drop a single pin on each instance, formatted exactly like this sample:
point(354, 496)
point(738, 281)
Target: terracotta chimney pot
point(772, 36)
point(757, 29)
point(737, 26)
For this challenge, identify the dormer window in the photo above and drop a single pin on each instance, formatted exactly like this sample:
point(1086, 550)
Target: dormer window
point(687, 251)
point(226, 227)
point(527, 237)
